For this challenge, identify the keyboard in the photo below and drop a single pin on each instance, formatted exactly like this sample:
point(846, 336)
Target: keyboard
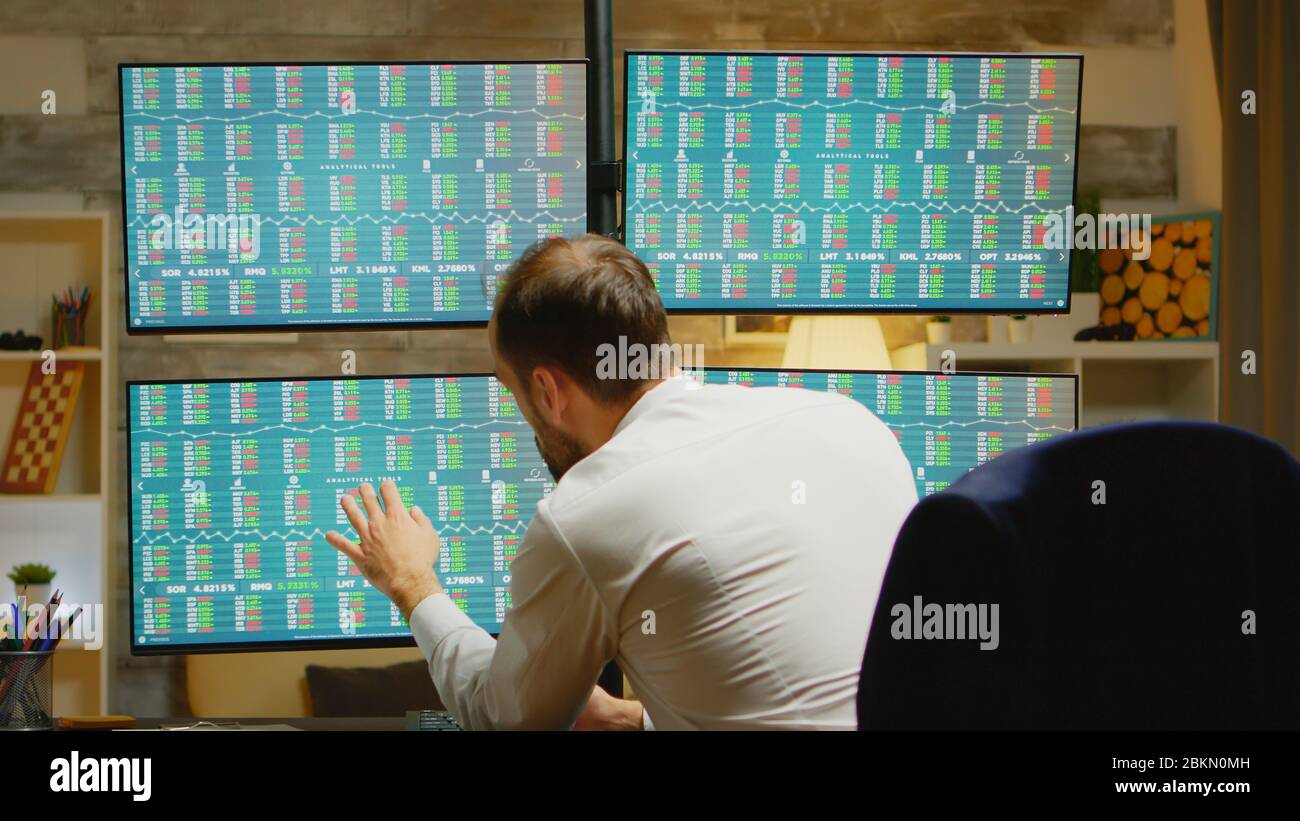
point(434, 721)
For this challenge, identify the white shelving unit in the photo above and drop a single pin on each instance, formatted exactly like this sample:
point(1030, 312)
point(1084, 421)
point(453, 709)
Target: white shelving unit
point(41, 253)
point(1118, 381)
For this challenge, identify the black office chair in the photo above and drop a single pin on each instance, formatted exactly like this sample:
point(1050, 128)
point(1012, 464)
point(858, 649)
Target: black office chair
point(1127, 614)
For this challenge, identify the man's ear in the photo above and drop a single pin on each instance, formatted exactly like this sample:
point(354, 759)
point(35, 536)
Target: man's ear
point(550, 394)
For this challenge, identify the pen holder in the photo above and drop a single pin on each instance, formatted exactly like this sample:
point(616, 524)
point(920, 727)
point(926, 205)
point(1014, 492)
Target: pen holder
point(27, 690)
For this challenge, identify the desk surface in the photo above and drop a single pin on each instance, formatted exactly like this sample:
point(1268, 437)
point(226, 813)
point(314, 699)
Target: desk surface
point(372, 724)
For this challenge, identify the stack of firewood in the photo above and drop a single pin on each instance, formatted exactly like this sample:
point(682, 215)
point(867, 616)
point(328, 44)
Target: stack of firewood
point(1167, 294)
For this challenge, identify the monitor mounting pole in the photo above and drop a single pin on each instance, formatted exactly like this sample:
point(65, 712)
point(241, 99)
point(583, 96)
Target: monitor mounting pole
point(604, 174)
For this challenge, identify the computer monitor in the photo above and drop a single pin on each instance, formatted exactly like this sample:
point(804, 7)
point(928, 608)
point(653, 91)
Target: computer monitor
point(234, 483)
point(315, 196)
point(817, 182)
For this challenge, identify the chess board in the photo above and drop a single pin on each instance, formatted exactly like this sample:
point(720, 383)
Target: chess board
point(41, 429)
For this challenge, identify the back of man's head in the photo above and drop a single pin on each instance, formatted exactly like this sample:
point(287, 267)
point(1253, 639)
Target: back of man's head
point(565, 298)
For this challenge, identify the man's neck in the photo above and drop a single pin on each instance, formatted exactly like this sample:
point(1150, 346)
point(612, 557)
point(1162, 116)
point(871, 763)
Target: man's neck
point(609, 416)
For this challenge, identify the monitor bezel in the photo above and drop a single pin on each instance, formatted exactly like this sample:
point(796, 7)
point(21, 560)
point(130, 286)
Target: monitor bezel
point(313, 327)
point(367, 643)
point(931, 310)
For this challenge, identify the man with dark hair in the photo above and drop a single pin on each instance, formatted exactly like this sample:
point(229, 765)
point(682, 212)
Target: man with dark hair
point(562, 303)
point(725, 544)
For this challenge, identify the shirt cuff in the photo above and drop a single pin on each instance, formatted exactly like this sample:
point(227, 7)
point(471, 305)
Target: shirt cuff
point(434, 619)
point(646, 723)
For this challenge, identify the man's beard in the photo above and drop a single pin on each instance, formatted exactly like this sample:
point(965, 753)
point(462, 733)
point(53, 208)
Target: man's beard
point(559, 450)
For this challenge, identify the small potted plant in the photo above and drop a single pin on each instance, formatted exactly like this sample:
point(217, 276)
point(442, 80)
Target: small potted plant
point(938, 330)
point(32, 581)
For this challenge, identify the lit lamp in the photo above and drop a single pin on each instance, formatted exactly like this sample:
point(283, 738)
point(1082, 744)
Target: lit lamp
point(836, 343)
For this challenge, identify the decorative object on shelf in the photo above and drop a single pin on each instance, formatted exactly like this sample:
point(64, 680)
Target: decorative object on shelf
point(68, 317)
point(27, 661)
point(19, 341)
point(1171, 294)
point(1085, 280)
point(41, 428)
point(1018, 329)
point(1085, 277)
point(26, 689)
point(938, 330)
point(32, 580)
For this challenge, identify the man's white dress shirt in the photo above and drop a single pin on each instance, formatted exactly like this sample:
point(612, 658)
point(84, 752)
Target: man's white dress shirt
point(726, 547)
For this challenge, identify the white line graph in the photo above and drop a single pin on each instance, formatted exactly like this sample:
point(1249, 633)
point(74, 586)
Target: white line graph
point(340, 115)
point(313, 534)
point(778, 101)
point(491, 219)
point(237, 434)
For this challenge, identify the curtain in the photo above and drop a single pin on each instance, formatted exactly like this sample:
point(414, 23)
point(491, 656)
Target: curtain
point(1256, 47)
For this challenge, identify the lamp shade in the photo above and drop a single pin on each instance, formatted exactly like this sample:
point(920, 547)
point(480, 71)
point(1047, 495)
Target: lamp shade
point(836, 343)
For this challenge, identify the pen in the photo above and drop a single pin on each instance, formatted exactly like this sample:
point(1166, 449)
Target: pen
point(11, 642)
point(64, 629)
point(44, 617)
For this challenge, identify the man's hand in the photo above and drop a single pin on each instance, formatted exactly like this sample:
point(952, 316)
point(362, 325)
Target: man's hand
point(604, 712)
point(398, 548)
